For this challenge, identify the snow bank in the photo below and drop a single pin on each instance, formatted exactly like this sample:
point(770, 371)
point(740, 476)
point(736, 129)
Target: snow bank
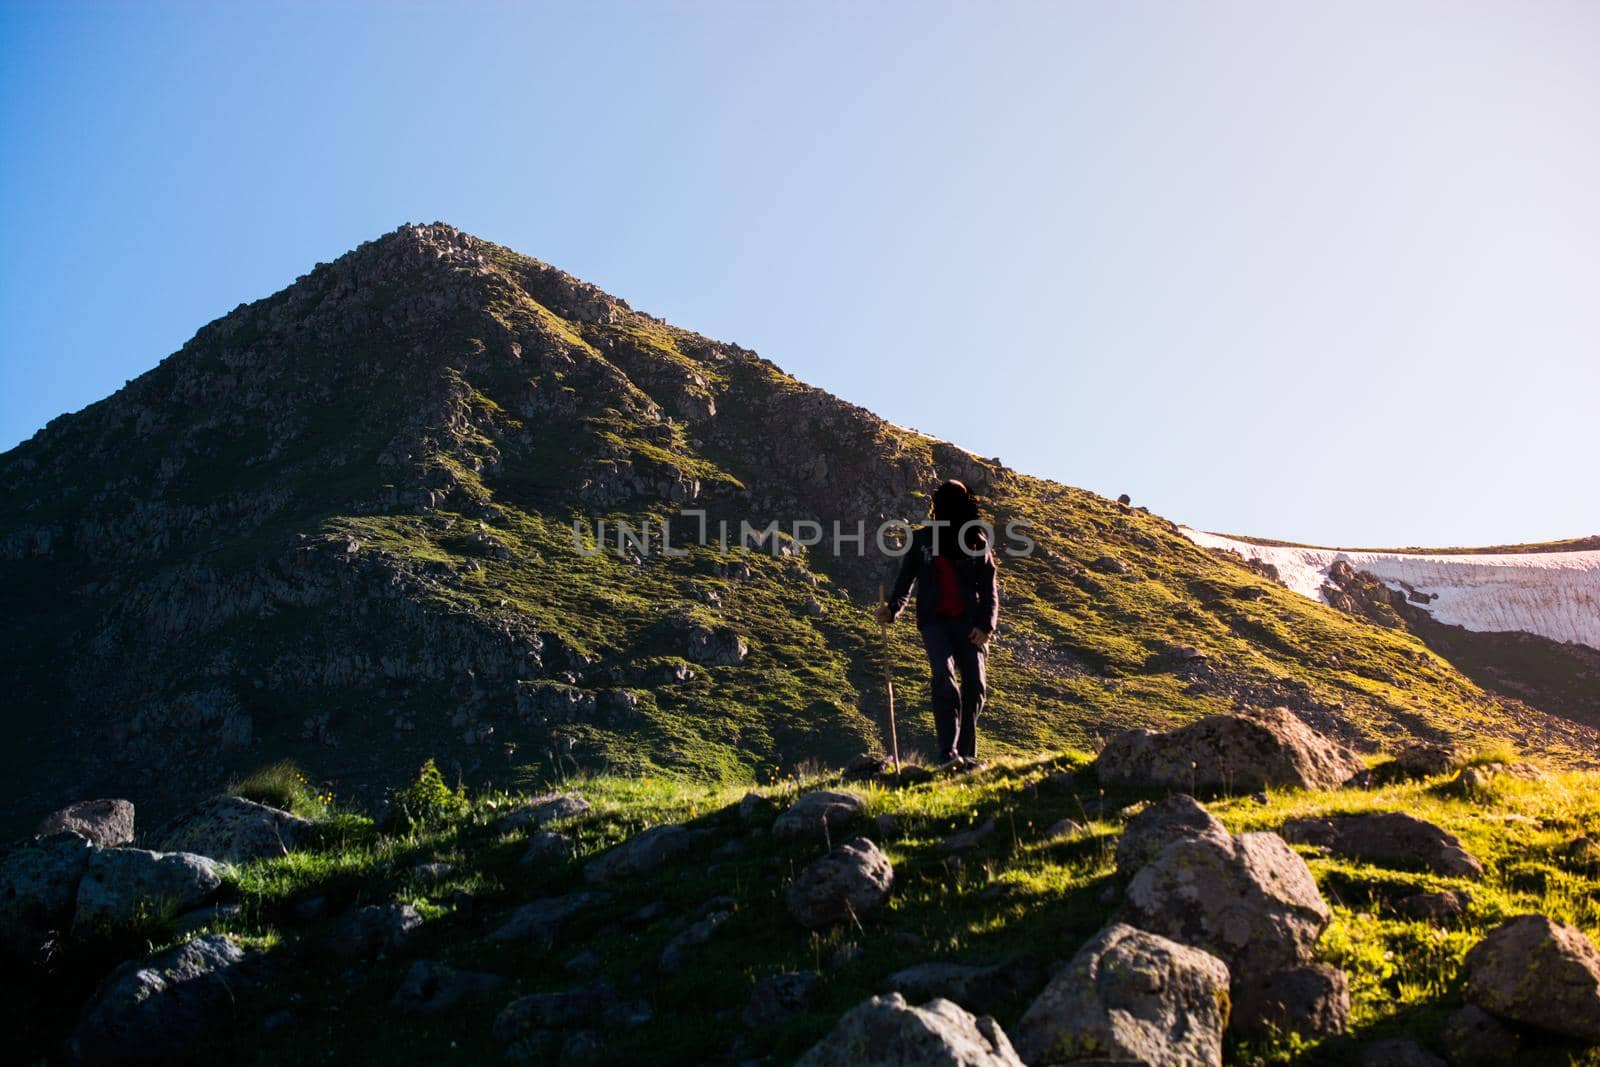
point(1553, 594)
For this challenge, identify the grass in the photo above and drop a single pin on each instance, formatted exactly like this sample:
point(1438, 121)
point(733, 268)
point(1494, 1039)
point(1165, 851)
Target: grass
point(1024, 894)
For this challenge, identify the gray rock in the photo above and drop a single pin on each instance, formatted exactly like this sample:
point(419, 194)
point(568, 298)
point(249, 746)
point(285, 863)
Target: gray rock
point(642, 853)
point(1242, 752)
point(542, 1011)
point(541, 811)
point(1439, 908)
point(779, 997)
point(888, 1032)
point(1472, 1036)
point(1162, 823)
point(431, 988)
point(1312, 999)
point(163, 1008)
point(969, 839)
point(1388, 837)
point(546, 847)
point(38, 885)
point(819, 813)
point(121, 885)
point(373, 930)
point(1429, 759)
point(847, 882)
point(234, 830)
point(715, 646)
point(107, 823)
point(1538, 972)
point(1398, 1052)
point(673, 957)
point(1130, 996)
point(541, 921)
point(1252, 902)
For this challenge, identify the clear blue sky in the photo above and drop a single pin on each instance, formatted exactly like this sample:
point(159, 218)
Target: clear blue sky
point(1321, 271)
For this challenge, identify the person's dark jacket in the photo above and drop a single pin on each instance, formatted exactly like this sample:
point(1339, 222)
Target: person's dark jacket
point(975, 570)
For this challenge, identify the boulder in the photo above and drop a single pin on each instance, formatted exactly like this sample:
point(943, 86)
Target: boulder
point(1312, 999)
point(122, 885)
point(642, 853)
point(1251, 902)
point(888, 1032)
point(1472, 1036)
point(1388, 837)
point(560, 1010)
point(163, 1008)
point(107, 823)
point(1398, 1052)
point(373, 930)
point(431, 988)
point(818, 813)
point(546, 847)
point(715, 646)
point(674, 956)
point(541, 921)
point(1540, 973)
point(536, 813)
point(1241, 752)
point(1429, 759)
point(1162, 823)
point(779, 997)
point(234, 830)
point(1440, 908)
point(1130, 996)
point(846, 883)
point(38, 885)
point(866, 767)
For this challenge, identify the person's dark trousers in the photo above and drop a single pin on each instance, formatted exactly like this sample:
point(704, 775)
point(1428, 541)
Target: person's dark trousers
point(958, 685)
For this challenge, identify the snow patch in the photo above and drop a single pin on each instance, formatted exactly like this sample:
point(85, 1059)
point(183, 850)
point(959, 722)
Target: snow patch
point(1552, 594)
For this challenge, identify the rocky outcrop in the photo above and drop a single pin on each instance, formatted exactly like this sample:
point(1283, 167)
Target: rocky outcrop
point(846, 883)
point(1539, 973)
point(374, 930)
point(234, 830)
point(38, 886)
point(123, 885)
point(1160, 824)
point(1251, 902)
point(643, 853)
point(1388, 837)
point(108, 823)
point(779, 997)
point(541, 810)
point(1241, 752)
point(819, 813)
point(888, 1032)
point(162, 1009)
point(1130, 996)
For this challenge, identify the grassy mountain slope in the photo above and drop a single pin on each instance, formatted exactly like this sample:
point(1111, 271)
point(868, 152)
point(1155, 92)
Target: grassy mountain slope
point(338, 525)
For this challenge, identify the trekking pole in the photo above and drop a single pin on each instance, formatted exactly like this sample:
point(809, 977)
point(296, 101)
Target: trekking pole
point(888, 682)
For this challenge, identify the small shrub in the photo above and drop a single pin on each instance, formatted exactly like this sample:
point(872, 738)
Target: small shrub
point(282, 785)
point(428, 801)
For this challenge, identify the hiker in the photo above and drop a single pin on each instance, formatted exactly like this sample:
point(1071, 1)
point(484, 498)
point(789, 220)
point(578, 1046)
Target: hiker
point(958, 605)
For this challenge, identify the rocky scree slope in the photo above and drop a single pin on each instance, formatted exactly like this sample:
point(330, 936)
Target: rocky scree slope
point(337, 526)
